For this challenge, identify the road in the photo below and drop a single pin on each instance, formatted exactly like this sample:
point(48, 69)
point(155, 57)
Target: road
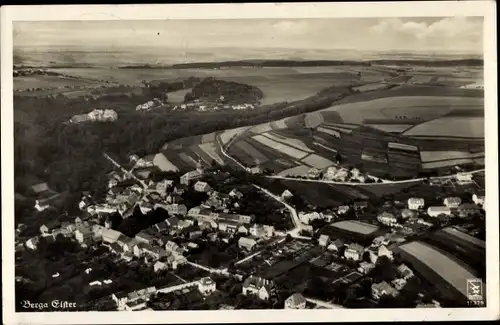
point(324, 303)
point(369, 184)
point(280, 240)
point(128, 172)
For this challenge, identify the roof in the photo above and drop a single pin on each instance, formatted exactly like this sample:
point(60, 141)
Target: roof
point(111, 234)
point(356, 247)
point(191, 174)
point(37, 188)
point(468, 206)
point(324, 237)
point(296, 299)
point(207, 281)
point(257, 282)
point(439, 209)
point(246, 240)
point(465, 237)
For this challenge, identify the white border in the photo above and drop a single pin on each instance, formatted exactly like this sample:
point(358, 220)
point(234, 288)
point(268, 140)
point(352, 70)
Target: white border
point(239, 11)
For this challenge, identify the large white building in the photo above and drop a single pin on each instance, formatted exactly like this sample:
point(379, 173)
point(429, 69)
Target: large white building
point(452, 202)
point(415, 203)
point(436, 211)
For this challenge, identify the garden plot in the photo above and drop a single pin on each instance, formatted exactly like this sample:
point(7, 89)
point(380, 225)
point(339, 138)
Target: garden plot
point(282, 148)
point(471, 127)
point(227, 135)
point(288, 141)
point(318, 162)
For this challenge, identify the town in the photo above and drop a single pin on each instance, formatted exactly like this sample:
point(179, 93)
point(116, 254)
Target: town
point(207, 239)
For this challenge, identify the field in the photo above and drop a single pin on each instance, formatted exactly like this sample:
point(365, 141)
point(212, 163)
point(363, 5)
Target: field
point(430, 156)
point(318, 162)
point(356, 226)
point(211, 149)
point(250, 151)
point(371, 87)
point(300, 170)
point(472, 127)
point(297, 144)
point(287, 150)
point(45, 81)
point(441, 264)
point(391, 128)
point(227, 135)
point(178, 95)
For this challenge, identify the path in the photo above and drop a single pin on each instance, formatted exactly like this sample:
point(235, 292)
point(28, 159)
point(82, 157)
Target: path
point(324, 303)
point(124, 170)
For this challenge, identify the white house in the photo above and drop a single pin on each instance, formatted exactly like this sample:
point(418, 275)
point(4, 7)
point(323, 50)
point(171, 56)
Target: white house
point(295, 301)
point(405, 271)
point(32, 243)
point(452, 202)
point(464, 178)
point(160, 266)
point(354, 252)
point(343, 209)
point(415, 203)
point(478, 199)
point(324, 240)
point(286, 195)
point(206, 286)
point(383, 288)
point(384, 251)
point(365, 267)
point(387, 218)
point(40, 206)
point(247, 243)
point(436, 211)
point(262, 288)
point(202, 187)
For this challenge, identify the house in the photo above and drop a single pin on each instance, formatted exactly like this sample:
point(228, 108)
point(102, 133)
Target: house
point(336, 245)
point(382, 289)
point(110, 235)
point(415, 203)
point(384, 251)
point(408, 214)
point(478, 199)
point(144, 237)
point(380, 240)
point(360, 205)
point(286, 195)
point(175, 208)
point(365, 267)
point(193, 175)
point(405, 272)
point(33, 242)
point(235, 194)
point(436, 211)
point(387, 219)
point(97, 232)
point(354, 252)
point(39, 206)
point(178, 260)
point(160, 266)
point(161, 226)
point(206, 286)
point(145, 162)
point(172, 247)
point(295, 301)
point(172, 222)
point(229, 226)
point(464, 178)
point(323, 240)
point(195, 234)
point(262, 288)
point(314, 173)
point(123, 241)
point(306, 218)
point(243, 230)
point(164, 185)
point(467, 209)
point(202, 187)
point(398, 283)
point(247, 243)
point(343, 209)
point(154, 252)
point(83, 235)
point(452, 202)
point(49, 227)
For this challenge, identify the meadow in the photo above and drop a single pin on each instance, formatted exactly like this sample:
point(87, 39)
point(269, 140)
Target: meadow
point(46, 81)
point(470, 127)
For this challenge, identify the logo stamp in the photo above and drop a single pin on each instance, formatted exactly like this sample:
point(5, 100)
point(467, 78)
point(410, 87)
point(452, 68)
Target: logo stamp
point(475, 290)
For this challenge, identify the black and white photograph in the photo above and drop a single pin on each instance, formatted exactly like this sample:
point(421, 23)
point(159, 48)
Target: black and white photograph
point(291, 160)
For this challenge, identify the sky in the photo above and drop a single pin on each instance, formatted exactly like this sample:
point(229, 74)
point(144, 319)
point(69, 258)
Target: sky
point(449, 34)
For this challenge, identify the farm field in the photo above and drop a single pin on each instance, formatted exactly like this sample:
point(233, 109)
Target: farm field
point(355, 226)
point(318, 162)
point(45, 81)
point(472, 127)
point(440, 263)
point(300, 170)
point(212, 150)
point(288, 141)
point(429, 156)
point(287, 150)
point(392, 128)
point(178, 95)
point(227, 135)
point(371, 87)
point(248, 151)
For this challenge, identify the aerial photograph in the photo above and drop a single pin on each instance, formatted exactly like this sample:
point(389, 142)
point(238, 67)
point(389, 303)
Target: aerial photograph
point(220, 164)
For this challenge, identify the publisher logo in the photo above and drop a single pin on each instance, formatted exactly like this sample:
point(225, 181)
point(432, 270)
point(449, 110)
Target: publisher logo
point(475, 290)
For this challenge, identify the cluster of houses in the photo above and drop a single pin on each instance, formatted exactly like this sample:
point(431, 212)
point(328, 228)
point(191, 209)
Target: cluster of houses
point(97, 115)
point(147, 244)
point(410, 221)
point(149, 105)
point(137, 300)
point(202, 107)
